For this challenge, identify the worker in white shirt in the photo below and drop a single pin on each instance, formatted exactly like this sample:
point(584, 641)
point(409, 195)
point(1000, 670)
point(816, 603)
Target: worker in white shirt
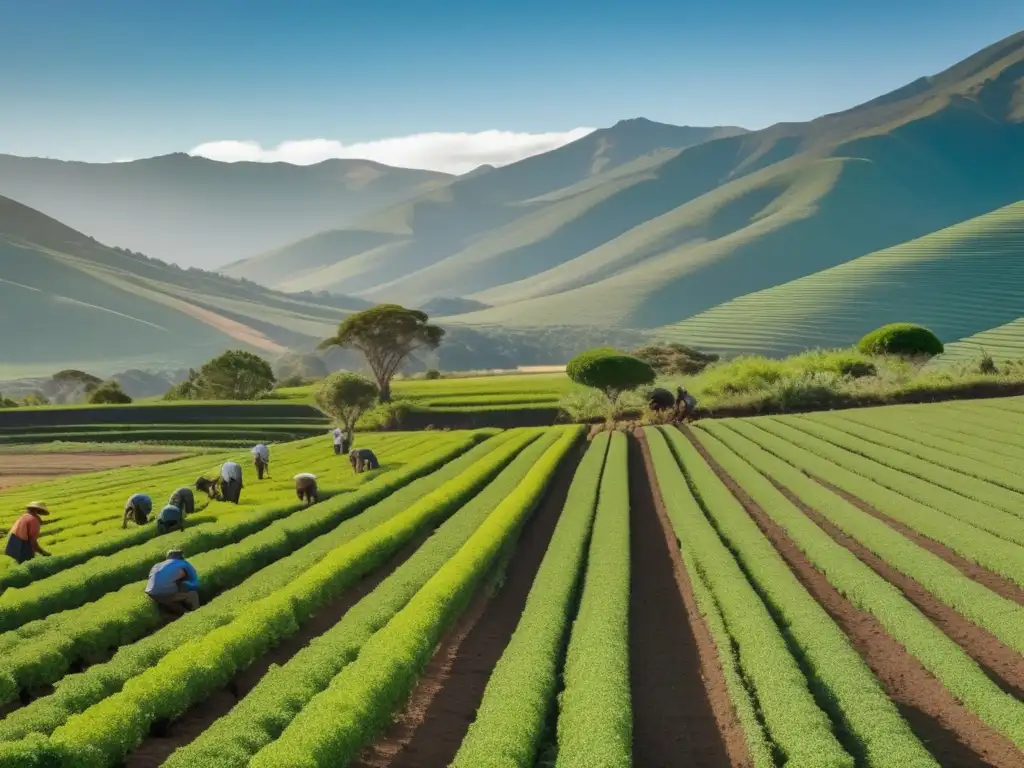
point(305, 488)
point(261, 460)
point(342, 442)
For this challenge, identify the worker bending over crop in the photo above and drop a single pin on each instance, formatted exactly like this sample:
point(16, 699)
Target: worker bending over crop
point(170, 519)
point(23, 541)
point(231, 481)
point(261, 459)
point(174, 583)
point(305, 488)
point(184, 500)
point(210, 487)
point(363, 459)
point(137, 509)
point(342, 441)
point(686, 404)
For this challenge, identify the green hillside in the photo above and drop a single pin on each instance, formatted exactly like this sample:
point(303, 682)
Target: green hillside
point(67, 301)
point(957, 281)
point(667, 234)
point(199, 212)
point(396, 242)
point(1005, 342)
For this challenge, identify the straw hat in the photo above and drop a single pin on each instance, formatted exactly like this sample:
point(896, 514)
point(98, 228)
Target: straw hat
point(37, 506)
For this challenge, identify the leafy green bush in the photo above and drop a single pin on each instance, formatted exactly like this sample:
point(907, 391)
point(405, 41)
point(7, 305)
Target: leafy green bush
point(675, 359)
point(432, 374)
point(109, 393)
point(609, 370)
point(344, 397)
point(901, 339)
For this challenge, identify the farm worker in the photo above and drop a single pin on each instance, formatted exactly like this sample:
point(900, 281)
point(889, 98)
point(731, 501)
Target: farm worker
point(137, 508)
point(260, 458)
point(660, 400)
point(210, 487)
point(174, 583)
point(685, 404)
point(305, 488)
point(231, 481)
point(363, 459)
point(170, 519)
point(342, 441)
point(23, 542)
point(183, 500)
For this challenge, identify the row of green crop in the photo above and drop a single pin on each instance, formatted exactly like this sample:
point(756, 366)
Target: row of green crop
point(265, 712)
point(793, 723)
point(853, 698)
point(869, 592)
point(78, 579)
point(595, 721)
point(102, 734)
point(958, 531)
point(967, 510)
point(362, 699)
point(77, 692)
point(966, 468)
point(41, 652)
point(520, 694)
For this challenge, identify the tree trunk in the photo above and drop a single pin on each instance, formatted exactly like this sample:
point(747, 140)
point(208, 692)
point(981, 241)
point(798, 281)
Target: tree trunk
point(385, 392)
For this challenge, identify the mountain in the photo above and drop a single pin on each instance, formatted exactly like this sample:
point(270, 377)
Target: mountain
point(203, 213)
point(448, 219)
point(958, 281)
point(67, 301)
point(618, 230)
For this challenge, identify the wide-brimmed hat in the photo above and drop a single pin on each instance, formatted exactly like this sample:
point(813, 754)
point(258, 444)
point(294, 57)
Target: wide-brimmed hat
point(37, 506)
point(175, 554)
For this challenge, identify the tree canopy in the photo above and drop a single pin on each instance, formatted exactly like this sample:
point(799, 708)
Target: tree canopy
point(903, 339)
point(234, 375)
point(109, 393)
point(386, 335)
point(609, 370)
point(344, 397)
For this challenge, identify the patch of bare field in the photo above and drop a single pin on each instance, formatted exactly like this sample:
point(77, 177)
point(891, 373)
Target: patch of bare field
point(19, 469)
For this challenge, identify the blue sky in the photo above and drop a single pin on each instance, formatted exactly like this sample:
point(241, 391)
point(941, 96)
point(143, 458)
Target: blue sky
point(101, 80)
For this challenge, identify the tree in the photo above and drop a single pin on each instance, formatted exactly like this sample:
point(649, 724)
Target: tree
point(71, 385)
point(344, 397)
point(109, 393)
point(187, 389)
point(611, 371)
point(6, 402)
point(386, 335)
point(34, 399)
point(902, 339)
point(234, 375)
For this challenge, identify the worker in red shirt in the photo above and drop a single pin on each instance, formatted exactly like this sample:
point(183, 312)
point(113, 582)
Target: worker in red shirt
point(23, 543)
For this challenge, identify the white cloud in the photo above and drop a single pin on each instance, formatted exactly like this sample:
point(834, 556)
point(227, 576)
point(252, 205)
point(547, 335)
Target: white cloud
point(448, 152)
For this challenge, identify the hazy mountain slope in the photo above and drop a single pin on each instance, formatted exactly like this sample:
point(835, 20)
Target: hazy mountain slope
point(68, 301)
point(204, 213)
point(444, 221)
point(957, 281)
point(936, 158)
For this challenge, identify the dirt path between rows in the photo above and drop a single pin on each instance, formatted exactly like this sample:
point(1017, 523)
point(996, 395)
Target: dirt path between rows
point(682, 714)
point(430, 730)
point(955, 736)
point(166, 737)
point(23, 468)
point(993, 581)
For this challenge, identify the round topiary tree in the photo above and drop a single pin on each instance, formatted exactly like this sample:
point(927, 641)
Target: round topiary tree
point(611, 371)
point(344, 397)
point(901, 339)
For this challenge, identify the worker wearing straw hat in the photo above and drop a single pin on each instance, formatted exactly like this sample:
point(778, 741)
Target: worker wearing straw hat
point(23, 542)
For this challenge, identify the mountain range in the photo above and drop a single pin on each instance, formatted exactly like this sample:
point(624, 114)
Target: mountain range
point(735, 240)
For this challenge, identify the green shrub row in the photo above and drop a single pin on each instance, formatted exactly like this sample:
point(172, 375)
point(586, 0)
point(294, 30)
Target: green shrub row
point(104, 733)
point(43, 651)
point(1002, 617)
point(796, 726)
point(940, 655)
point(362, 699)
point(520, 694)
point(269, 707)
point(967, 472)
point(79, 691)
point(595, 720)
point(856, 701)
point(874, 477)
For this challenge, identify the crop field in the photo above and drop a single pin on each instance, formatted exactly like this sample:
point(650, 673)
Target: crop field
point(833, 589)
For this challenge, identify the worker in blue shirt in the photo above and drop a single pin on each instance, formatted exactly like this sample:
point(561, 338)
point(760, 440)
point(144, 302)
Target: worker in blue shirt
point(174, 583)
point(170, 519)
point(137, 508)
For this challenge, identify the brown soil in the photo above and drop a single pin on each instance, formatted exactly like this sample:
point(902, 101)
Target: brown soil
point(998, 584)
point(165, 737)
point(21, 468)
point(954, 735)
point(682, 715)
point(431, 729)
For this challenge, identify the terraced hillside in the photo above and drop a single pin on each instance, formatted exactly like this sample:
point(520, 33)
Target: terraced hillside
point(840, 589)
point(958, 281)
point(1005, 342)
